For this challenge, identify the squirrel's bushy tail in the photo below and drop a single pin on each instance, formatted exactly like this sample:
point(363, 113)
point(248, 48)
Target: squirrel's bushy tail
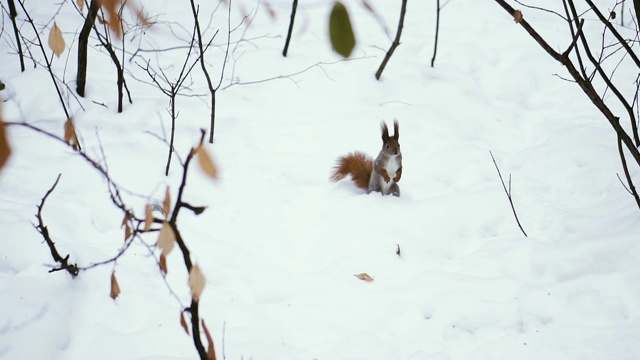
point(357, 164)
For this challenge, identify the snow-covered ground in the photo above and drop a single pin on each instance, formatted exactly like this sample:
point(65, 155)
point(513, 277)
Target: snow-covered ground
point(279, 243)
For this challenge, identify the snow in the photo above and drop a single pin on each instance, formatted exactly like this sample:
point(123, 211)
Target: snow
point(279, 243)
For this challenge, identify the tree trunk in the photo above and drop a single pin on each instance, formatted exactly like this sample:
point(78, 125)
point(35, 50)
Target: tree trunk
point(83, 42)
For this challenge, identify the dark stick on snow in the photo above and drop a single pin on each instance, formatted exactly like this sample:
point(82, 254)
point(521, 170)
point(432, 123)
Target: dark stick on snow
point(13, 14)
point(203, 66)
point(632, 188)
point(294, 6)
point(106, 43)
point(42, 229)
point(83, 45)
point(508, 192)
point(435, 45)
point(172, 105)
point(396, 41)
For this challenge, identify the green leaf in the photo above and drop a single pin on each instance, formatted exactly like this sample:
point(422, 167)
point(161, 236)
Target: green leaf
point(340, 31)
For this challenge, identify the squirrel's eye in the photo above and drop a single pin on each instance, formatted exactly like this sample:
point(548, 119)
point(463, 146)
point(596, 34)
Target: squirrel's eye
point(387, 146)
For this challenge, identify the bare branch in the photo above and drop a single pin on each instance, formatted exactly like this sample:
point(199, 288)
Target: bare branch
point(13, 14)
point(585, 84)
point(625, 167)
point(42, 229)
point(435, 43)
point(212, 91)
point(47, 61)
point(179, 204)
point(294, 6)
point(575, 38)
point(615, 32)
point(396, 41)
point(607, 80)
point(508, 192)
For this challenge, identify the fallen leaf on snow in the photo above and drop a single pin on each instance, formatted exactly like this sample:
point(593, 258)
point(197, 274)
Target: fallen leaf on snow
point(364, 277)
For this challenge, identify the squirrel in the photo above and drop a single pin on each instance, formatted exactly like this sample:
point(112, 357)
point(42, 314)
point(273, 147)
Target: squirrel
point(382, 174)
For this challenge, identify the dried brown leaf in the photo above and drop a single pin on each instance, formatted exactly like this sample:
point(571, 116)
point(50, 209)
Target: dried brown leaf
point(70, 134)
point(206, 163)
point(126, 219)
point(517, 16)
point(80, 4)
point(127, 232)
point(211, 352)
point(112, 7)
point(114, 21)
point(166, 204)
point(5, 149)
point(270, 10)
point(148, 217)
point(163, 264)
point(56, 40)
point(166, 238)
point(142, 18)
point(196, 282)
point(183, 323)
point(115, 288)
point(364, 277)
point(127, 228)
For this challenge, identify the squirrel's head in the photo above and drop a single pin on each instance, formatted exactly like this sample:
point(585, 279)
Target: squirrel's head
point(391, 144)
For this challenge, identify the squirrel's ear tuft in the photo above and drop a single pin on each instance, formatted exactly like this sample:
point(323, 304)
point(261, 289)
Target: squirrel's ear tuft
point(396, 129)
point(385, 131)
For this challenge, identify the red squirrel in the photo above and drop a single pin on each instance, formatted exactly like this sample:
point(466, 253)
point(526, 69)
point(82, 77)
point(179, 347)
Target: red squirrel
point(382, 174)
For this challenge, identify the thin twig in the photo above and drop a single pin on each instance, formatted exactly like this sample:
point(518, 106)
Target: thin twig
point(13, 14)
point(396, 41)
point(508, 192)
point(606, 79)
point(290, 75)
point(47, 62)
point(575, 39)
point(615, 32)
point(625, 167)
point(435, 44)
point(294, 6)
point(541, 9)
point(42, 229)
point(105, 40)
point(212, 91)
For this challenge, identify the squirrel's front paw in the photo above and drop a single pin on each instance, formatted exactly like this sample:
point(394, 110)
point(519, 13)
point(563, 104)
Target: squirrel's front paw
point(385, 175)
point(398, 174)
